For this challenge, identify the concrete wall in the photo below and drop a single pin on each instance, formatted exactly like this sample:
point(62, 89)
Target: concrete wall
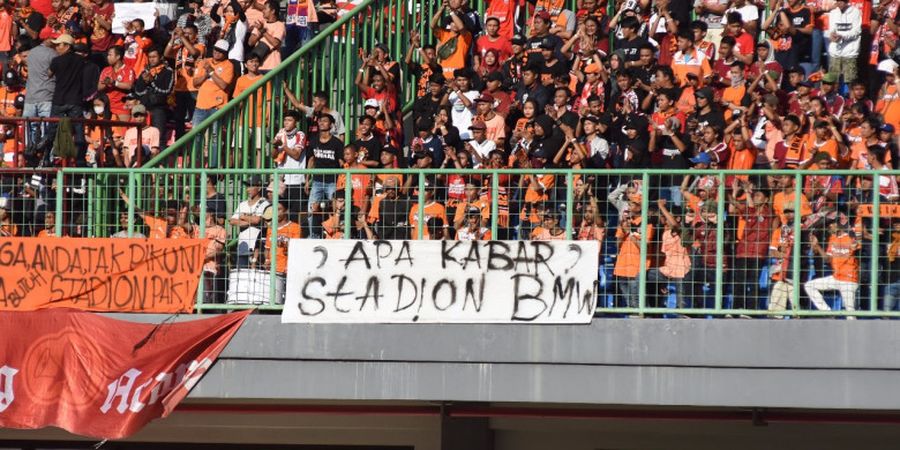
point(819, 364)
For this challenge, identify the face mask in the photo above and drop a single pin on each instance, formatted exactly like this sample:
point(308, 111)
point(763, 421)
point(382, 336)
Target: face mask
point(98, 110)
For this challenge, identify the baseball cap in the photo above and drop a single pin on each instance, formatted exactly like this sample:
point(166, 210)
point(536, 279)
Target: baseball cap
point(485, 98)
point(702, 158)
point(704, 93)
point(805, 83)
point(543, 15)
point(887, 66)
point(371, 103)
point(478, 125)
point(591, 118)
point(517, 40)
point(548, 44)
point(795, 69)
point(222, 46)
point(887, 128)
point(138, 109)
point(64, 39)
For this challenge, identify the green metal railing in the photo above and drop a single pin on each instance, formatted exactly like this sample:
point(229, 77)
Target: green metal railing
point(502, 188)
point(238, 134)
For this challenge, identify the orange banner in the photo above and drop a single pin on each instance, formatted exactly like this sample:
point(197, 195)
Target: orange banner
point(100, 274)
point(887, 211)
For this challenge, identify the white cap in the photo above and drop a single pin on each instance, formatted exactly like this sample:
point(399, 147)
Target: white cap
point(222, 45)
point(371, 103)
point(887, 66)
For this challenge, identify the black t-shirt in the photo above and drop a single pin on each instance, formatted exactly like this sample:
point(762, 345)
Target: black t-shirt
point(327, 154)
point(801, 44)
point(712, 118)
point(69, 73)
point(372, 147)
point(632, 48)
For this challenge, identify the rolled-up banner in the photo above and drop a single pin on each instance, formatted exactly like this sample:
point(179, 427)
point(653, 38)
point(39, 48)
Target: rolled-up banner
point(100, 377)
point(100, 274)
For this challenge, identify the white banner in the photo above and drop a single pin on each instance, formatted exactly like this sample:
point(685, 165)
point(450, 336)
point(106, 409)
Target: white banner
point(126, 12)
point(345, 281)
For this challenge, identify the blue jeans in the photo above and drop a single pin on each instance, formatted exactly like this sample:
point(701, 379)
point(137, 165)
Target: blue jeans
point(320, 191)
point(818, 47)
point(891, 296)
point(40, 109)
point(200, 115)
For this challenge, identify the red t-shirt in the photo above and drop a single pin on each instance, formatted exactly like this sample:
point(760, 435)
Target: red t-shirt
point(744, 44)
point(116, 95)
point(101, 38)
point(386, 97)
point(502, 46)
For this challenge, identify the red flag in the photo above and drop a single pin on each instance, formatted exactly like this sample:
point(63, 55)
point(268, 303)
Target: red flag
point(100, 377)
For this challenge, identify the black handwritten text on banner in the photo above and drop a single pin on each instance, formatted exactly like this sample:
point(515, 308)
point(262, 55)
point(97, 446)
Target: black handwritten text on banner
point(440, 281)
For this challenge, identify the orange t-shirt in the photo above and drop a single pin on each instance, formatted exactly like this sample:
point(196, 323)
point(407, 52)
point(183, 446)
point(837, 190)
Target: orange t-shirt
point(889, 106)
point(457, 59)
point(262, 95)
point(695, 62)
point(780, 200)
point(184, 75)
point(842, 250)
point(290, 230)
point(628, 263)
point(135, 56)
point(432, 210)
point(210, 94)
point(360, 187)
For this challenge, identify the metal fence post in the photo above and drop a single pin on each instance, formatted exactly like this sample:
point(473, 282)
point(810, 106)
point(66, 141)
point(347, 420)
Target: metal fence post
point(273, 241)
point(495, 204)
point(642, 271)
point(420, 210)
point(348, 202)
point(201, 233)
point(796, 251)
point(60, 188)
point(720, 242)
point(131, 195)
point(876, 246)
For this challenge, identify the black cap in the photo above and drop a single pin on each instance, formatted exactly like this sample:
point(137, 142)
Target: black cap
point(494, 76)
point(548, 44)
point(254, 180)
point(517, 40)
point(795, 69)
point(592, 118)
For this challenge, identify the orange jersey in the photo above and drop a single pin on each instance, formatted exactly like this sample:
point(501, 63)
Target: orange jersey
point(842, 250)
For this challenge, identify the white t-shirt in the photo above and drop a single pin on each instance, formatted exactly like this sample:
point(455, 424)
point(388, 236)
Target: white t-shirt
point(297, 140)
point(483, 149)
point(462, 116)
point(748, 12)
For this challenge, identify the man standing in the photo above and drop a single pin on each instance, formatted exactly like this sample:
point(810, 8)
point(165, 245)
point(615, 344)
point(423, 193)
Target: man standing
point(154, 87)
point(67, 97)
point(844, 35)
point(39, 86)
point(213, 78)
point(324, 152)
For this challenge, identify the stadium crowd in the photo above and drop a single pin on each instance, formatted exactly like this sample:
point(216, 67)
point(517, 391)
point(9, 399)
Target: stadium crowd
point(534, 85)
